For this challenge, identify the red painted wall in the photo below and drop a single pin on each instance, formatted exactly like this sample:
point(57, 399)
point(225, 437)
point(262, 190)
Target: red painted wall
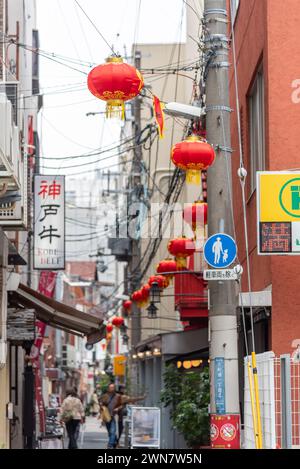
point(267, 34)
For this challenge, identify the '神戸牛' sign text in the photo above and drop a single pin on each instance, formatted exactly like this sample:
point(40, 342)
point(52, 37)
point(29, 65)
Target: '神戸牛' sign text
point(49, 222)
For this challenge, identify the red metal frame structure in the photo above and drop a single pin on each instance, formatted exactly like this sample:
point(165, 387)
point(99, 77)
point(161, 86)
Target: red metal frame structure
point(191, 297)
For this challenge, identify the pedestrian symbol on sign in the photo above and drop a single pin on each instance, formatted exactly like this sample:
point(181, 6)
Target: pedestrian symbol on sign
point(217, 249)
point(220, 250)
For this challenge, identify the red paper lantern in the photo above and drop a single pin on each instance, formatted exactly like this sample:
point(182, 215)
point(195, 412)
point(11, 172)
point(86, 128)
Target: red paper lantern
point(109, 328)
point(115, 82)
point(161, 280)
point(117, 321)
point(181, 248)
point(192, 155)
point(136, 296)
point(140, 297)
point(165, 267)
point(145, 292)
point(127, 304)
point(195, 214)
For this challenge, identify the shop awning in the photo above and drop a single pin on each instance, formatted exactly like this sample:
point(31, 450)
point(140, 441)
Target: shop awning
point(177, 342)
point(59, 315)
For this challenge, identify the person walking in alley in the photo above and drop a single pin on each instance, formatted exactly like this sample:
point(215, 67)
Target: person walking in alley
point(112, 404)
point(72, 413)
point(94, 405)
point(125, 399)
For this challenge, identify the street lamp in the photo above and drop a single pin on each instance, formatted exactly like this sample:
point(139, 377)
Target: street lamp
point(152, 311)
point(154, 293)
point(185, 111)
point(125, 338)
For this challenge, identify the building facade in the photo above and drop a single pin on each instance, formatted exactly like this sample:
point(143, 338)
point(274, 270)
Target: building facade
point(19, 106)
point(268, 88)
point(179, 332)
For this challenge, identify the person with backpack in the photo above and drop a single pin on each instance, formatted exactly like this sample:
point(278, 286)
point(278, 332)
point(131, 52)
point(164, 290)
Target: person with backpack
point(72, 414)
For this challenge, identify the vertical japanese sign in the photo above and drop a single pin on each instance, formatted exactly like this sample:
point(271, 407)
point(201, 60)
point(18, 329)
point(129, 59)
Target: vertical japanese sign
point(49, 222)
point(219, 368)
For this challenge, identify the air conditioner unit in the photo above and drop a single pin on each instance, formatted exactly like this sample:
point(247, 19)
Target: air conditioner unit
point(68, 356)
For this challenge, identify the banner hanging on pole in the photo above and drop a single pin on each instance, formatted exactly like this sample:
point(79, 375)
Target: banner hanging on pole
point(49, 222)
point(159, 115)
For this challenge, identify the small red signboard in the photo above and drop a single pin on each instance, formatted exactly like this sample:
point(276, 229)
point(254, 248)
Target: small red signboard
point(225, 431)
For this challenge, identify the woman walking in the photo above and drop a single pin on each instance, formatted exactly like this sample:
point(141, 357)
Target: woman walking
point(72, 415)
point(94, 405)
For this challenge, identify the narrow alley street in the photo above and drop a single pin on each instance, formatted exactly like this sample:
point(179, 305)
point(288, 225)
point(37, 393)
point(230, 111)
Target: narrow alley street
point(149, 231)
point(92, 436)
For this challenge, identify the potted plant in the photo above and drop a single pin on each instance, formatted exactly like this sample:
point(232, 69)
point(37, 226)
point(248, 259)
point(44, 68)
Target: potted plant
point(187, 394)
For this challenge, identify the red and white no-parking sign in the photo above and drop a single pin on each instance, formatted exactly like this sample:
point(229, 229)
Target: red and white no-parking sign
point(225, 431)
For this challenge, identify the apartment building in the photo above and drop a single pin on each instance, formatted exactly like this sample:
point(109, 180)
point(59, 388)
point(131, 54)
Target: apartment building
point(19, 106)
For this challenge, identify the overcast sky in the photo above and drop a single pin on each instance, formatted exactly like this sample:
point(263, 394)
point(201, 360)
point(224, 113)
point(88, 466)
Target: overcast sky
point(65, 30)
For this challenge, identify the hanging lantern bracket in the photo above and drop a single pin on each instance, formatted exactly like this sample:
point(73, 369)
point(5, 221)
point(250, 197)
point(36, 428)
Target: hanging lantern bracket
point(155, 293)
point(218, 108)
point(221, 148)
point(152, 311)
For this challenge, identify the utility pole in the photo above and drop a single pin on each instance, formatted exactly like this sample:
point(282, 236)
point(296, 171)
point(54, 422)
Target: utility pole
point(134, 270)
point(223, 299)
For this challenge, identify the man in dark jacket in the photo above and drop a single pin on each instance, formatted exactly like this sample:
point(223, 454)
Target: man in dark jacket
point(115, 403)
point(112, 401)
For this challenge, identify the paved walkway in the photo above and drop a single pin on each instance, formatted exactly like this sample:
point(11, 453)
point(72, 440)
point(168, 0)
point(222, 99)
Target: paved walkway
point(92, 436)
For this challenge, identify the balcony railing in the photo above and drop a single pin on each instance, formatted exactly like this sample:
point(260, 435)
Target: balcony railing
point(191, 294)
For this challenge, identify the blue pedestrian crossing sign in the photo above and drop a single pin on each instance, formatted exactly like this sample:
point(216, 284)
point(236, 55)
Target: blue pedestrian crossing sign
point(220, 250)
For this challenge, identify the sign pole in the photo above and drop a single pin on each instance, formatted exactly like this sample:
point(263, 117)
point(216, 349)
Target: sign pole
point(223, 299)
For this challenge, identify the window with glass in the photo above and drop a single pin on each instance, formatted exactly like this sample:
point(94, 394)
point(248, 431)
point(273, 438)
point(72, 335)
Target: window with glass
point(256, 127)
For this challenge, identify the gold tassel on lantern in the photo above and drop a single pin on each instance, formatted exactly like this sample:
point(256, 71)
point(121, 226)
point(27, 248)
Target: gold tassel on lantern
point(193, 176)
point(181, 262)
point(115, 108)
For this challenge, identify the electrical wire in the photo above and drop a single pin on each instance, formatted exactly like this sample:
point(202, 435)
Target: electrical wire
point(69, 139)
point(95, 27)
point(194, 10)
point(136, 27)
point(133, 147)
point(38, 52)
point(99, 151)
point(161, 68)
point(177, 77)
point(242, 180)
point(61, 106)
point(96, 169)
point(84, 35)
point(66, 23)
